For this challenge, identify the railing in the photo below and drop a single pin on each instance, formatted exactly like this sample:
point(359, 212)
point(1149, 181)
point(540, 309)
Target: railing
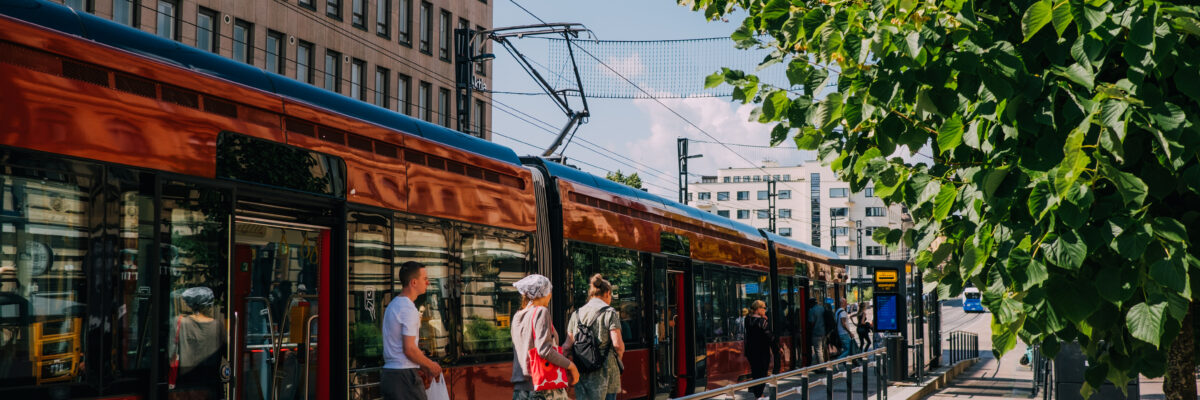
point(1043, 375)
point(843, 367)
point(963, 346)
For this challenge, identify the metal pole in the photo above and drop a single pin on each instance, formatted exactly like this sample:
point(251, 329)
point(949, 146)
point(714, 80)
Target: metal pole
point(850, 378)
point(681, 151)
point(771, 204)
point(865, 384)
point(829, 382)
point(804, 387)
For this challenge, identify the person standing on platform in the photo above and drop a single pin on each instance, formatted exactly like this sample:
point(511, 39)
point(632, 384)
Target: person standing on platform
point(844, 330)
point(404, 362)
point(758, 344)
point(816, 320)
point(603, 325)
point(532, 328)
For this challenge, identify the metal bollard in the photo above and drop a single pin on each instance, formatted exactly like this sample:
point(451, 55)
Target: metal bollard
point(850, 378)
point(829, 382)
point(865, 384)
point(804, 386)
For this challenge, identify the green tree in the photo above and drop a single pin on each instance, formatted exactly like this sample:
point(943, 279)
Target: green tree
point(632, 180)
point(1063, 178)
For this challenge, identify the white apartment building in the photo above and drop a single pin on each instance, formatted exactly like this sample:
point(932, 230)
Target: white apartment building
point(812, 206)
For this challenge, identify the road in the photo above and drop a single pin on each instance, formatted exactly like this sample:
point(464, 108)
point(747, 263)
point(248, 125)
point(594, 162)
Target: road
point(990, 378)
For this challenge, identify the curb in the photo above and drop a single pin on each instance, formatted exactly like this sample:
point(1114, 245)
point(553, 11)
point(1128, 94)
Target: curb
point(933, 383)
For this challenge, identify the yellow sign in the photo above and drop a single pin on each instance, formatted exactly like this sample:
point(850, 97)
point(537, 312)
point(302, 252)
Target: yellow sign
point(882, 276)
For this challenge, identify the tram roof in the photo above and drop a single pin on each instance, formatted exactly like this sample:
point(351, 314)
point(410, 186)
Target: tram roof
point(799, 245)
point(63, 19)
point(562, 171)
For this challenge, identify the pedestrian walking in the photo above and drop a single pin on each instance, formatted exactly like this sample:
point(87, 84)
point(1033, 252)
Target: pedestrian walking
point(863, 327)
point(406, 370)
point(758, 344)
point(532, 328)
point(844, 330)
point(597, 346)
point(816, 320)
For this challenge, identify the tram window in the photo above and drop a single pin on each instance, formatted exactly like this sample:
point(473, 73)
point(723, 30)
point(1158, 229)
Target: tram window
point(492, 260)
point(704, 302)
point(369, 290)
point(620, 267)
point(427, 241)
point(134, 220)
point(47, 205)
point(195, 237)
point(244, 158)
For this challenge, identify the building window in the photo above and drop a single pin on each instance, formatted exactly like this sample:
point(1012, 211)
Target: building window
point(722, 196)
point(875, 212)
point(125, 12)
point(275, 49)
point(704, 196)
point(358, 74)
point(426, 27)
point(481, 68)
point(763, 194)
point(404, 22)
point(785, 194)
point(480, 119)
point(381, 87)
point(787, 177)
point(304, 62)
point(383, 18)
point(307, 4)
point(168, 16)
point(743, 214)
point(333, 71)
point(444, 36)
point(723, 213)
point(737, 179)
point(838, 192)
point(839, 212)
point(787, 232)
point(869, 192)
point(444, 107)
point(423, 99)
point(815, 196)
point(840, 231)
point(689, 197)
point(333, 8)
point(79, 5)
point(785, 213)
point(763, 214)
point(870, 230)
point(726, 180)
point(243, 39)
point(874, 250)
point(206, 29)
point(743, 195)
point(841, 250)
point(403, 94)
point(357, 10)
point(757, 178)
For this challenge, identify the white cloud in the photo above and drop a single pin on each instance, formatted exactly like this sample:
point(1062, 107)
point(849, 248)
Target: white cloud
point(630, 67)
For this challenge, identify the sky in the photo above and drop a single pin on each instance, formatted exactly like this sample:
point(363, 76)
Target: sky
point(631, 135)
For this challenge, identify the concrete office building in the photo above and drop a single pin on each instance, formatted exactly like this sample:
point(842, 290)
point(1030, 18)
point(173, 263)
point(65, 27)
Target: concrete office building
point(812, 206)
point(397, 54)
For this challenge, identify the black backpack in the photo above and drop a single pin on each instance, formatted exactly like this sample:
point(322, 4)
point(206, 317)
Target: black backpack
point(830, 321)
point(588, 352)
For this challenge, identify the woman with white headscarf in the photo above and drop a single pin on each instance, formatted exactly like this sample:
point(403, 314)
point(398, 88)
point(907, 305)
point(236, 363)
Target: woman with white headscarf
point(534, 317)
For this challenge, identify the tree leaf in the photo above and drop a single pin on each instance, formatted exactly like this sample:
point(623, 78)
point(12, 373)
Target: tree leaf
point(1170, 229)
point(944, 202)
point(1171, 273)
point(1062, 16)
point(1145, 322)
point(950, 134)
point(1041, 200)
point(912, 43)
point(1079, 74)
point(714, 80)
point(1036, 16)
point(1066, 250)
point(1112, 114)
point(1132, 188)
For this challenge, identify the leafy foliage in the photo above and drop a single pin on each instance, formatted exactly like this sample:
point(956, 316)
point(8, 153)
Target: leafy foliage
point(631, 180)
point(1050, 148)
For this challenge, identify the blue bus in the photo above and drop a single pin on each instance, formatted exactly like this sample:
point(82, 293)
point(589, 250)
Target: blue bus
point(971, 300)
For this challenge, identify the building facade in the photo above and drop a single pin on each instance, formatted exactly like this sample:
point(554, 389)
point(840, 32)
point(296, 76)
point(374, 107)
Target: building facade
point(396, 54)
point(812, 206)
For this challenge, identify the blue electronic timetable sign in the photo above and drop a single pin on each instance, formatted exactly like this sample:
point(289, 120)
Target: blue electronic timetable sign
point(886, 313)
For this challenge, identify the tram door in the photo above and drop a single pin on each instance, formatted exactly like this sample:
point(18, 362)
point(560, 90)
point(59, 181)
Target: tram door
point(277, 279)
point(671, 329)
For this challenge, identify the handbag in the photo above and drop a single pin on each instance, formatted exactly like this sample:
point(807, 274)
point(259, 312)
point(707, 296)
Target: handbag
point(545, 376)
point(173, 371)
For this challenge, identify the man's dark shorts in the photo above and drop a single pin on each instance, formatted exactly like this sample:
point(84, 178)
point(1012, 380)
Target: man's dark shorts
point(401, 384)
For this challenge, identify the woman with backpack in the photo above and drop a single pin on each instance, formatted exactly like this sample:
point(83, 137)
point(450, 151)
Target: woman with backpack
point(595, 333)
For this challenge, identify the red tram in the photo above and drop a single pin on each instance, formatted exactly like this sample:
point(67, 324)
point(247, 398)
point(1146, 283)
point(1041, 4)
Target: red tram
point(145, 185)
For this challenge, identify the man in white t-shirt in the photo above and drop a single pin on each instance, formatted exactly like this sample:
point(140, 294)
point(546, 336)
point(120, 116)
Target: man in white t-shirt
point(399, 378)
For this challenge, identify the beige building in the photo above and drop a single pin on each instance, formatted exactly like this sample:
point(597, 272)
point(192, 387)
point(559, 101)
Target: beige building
point(397, 54)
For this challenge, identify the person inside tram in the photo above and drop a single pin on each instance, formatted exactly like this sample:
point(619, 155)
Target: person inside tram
point(197, 347)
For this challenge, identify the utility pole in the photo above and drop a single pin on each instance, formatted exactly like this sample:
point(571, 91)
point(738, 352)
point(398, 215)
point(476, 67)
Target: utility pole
point(858, 225)
point(682, 153)
point(771, 204)
point(464, 77)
